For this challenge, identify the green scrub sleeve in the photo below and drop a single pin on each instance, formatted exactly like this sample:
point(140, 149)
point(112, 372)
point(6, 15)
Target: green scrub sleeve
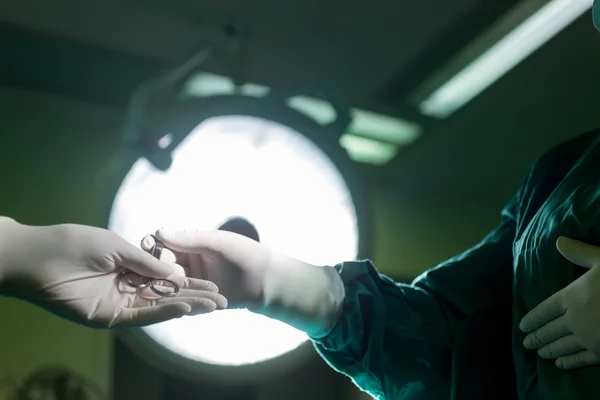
point(395, 340)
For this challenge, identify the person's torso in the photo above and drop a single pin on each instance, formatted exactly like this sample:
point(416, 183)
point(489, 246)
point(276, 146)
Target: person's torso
point(562, 198)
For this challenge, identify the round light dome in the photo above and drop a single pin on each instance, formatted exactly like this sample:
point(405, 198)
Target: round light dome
point(265, 172)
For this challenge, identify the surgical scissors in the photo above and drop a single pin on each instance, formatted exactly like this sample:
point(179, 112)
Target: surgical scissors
point(153, 283)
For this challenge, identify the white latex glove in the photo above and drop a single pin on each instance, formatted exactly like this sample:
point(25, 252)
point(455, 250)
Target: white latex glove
point(71, 270)
point(566, 326)
point(252, 276)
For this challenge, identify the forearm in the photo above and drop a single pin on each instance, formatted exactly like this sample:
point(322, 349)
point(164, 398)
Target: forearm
point(305, 296)
point(391, 338)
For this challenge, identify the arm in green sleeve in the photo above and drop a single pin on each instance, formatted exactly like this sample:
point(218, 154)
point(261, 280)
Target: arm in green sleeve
point(395, 340)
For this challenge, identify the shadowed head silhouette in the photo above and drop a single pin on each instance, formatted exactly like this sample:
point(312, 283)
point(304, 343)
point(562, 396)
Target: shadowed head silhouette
point(240, 226)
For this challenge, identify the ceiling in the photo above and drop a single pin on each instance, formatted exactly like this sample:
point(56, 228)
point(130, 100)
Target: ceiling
point(370, 54)
point(353, 51)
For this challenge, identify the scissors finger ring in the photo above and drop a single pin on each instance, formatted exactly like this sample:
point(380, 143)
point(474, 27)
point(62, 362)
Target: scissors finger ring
point(155, 284)
point(164, 293)
point(126, 277)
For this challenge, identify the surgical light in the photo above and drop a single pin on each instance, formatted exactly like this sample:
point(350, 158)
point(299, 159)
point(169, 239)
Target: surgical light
point(372, 138)
point(265, 172)
point(367, 150)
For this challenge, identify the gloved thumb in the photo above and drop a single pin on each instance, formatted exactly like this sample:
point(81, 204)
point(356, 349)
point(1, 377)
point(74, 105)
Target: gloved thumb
point(185, 241)
point(142, 263)
point(579, 253)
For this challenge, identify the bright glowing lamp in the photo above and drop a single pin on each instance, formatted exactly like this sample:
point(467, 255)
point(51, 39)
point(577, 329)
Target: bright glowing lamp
point(265, 172)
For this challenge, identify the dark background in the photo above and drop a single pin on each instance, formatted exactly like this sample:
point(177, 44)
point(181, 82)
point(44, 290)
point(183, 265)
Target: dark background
point(67, 69)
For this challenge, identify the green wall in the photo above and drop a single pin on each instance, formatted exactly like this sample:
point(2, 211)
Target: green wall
point(50, 150)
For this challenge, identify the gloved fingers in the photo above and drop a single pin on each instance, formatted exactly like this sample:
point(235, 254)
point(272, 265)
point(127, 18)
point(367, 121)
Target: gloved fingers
point(562, 347)
point(167, 255)
point(577, 252)
point(548, 333)
point(149, 315)
point(215, 297)
point(549, 309)
point(193, 283)
point(188, 241)
point(147, 298)
point(194, 267)
point(147, 243)
point(191, 263)
point(198, 305)
point(142, 263)
point(578, 360)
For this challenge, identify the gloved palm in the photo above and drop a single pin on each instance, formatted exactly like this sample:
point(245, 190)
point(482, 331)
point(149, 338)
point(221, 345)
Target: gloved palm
point(72, 270)
point(234, 262)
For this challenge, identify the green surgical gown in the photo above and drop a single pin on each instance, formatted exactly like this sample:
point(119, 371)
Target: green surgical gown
point(453, 333)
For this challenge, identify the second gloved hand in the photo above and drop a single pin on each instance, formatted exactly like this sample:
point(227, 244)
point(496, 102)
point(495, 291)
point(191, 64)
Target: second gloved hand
point(565, 327)
point(250, 275)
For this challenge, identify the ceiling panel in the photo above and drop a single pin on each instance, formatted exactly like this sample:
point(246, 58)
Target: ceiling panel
point(350, 49)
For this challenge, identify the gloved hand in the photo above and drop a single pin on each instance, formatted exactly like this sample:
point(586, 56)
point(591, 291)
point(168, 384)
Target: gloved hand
point(252, 276)
point(71, 270)
point(566, 326)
